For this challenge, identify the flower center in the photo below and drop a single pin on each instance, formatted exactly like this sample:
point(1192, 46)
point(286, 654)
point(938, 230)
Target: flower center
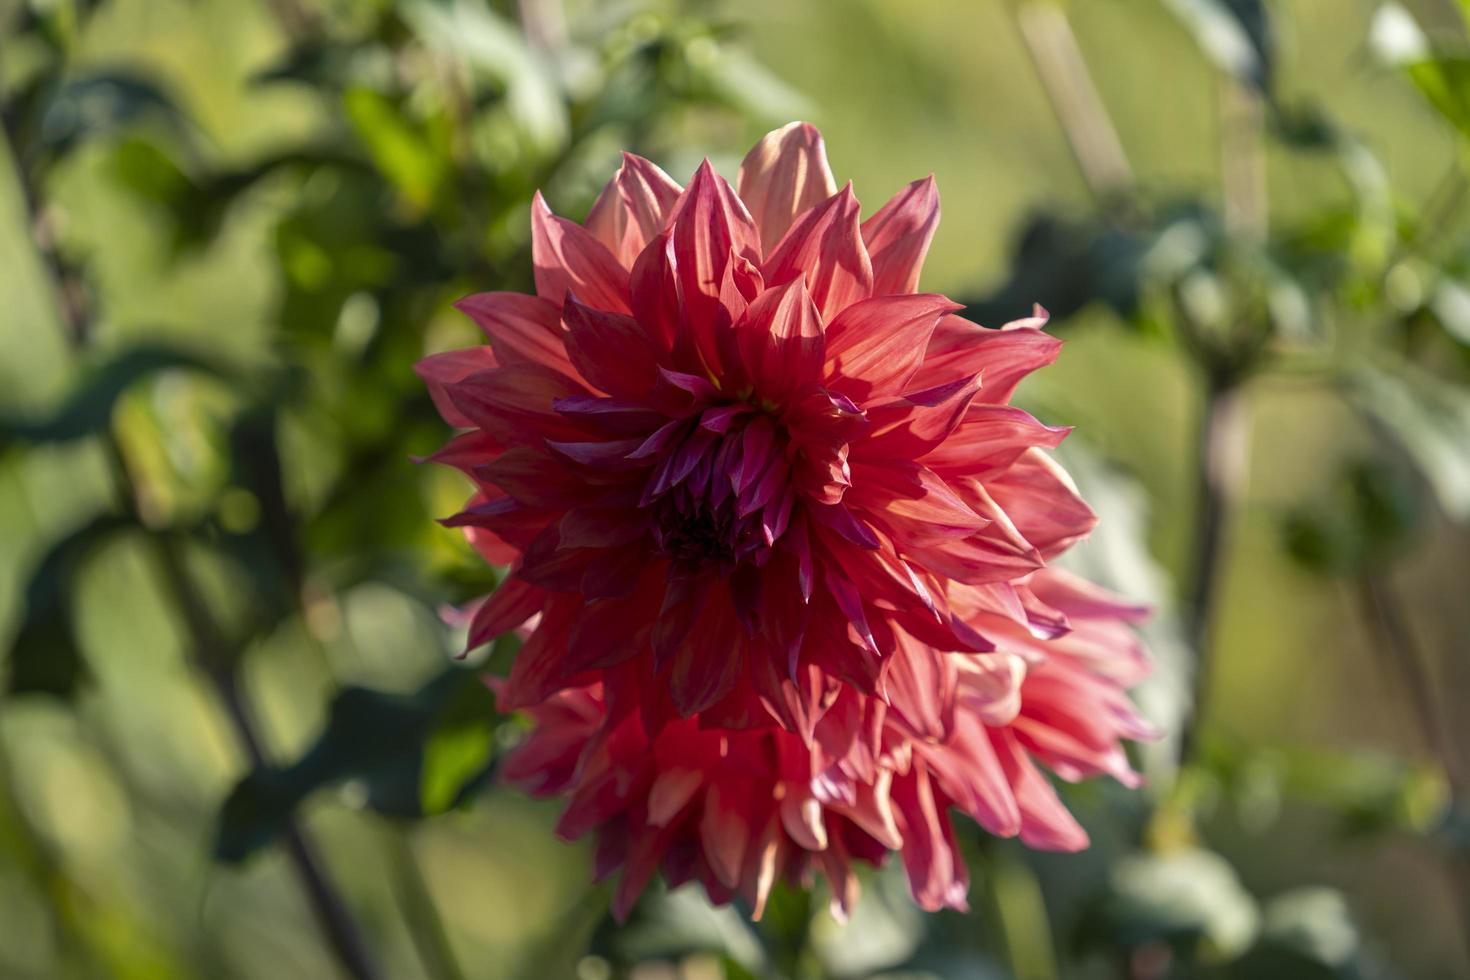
point(722, 494)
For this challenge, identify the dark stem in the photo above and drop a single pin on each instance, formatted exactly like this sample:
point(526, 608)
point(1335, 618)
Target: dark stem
point(1220, 471)
point(210, 648)
point(1395, 639)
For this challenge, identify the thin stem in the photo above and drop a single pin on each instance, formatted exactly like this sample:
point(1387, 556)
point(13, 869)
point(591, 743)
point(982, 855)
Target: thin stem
point(1395, 638)
point(426, 928)
point(1074, 98)
point(1243, 159)
point(209, 646)
point(1221, 455)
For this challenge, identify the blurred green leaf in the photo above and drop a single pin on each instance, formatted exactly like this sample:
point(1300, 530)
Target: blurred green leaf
point(1429, 420)
point(44, 655)
point(474, 35)
point(373, 736)
point(87, 410)
point(404, 154)
point(1372, 514)
point(1190, 899)
point(101, 104)
point(1307, 934)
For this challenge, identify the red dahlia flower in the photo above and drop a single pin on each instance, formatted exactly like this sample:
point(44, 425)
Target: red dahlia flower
point(739, 466)
point(735, 809)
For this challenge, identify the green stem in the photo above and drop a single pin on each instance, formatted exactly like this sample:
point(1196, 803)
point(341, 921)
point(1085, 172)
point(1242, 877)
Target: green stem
point(430, 937)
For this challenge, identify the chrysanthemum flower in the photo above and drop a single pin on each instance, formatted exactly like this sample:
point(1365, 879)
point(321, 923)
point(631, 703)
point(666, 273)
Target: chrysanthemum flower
point(737, 809)
point(738, 465)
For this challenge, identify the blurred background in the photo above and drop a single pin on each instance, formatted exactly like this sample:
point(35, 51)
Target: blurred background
point(233, 742)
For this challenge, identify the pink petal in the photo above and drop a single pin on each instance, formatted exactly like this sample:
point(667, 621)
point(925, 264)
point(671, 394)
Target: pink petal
point(782, 176)
point(567, 259)
point(519, 328)
point(780, 340)
point(633, 208)
point(875, 346)
point(826, 247)
point(439, 371)
point(610, 350)
point(961, 349)
point(898, 237)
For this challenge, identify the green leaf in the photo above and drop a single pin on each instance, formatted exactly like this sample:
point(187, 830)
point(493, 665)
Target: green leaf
point(44, 655)
point(1235, 34)
point(1429, 421)
point(373, 736)
point(1192, 900)
point(102, 104)
point(88, 409)
point(1307, 934)
point(403, 154)
point(473, 34)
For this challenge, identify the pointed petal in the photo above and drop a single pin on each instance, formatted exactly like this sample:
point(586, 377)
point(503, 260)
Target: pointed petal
point(710, 224)
point(961, 349)
point(781, 340)
point(875, 346)
point(826, 247)
point(633, 208)
point(898, 237)
point(441, 370)
point(520, 328)
point(568, 259)
point(783, 175)
point(610, 350)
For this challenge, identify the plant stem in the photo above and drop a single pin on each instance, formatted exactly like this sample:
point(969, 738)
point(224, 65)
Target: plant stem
point(210, 648)
point(1221, 459)
point(1074, 97)
point(426, 928)
point(1395, 638)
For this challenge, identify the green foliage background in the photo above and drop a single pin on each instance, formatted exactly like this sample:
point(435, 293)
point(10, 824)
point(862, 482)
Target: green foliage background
point(228, 230)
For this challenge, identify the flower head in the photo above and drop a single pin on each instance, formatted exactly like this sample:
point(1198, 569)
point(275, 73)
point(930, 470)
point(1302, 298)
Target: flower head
point(738, 809)
point(728, 447)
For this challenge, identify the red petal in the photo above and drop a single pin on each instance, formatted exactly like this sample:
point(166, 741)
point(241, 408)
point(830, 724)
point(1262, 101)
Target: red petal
point(990, 438)
point(781, 340)
point(515, 403)
point(1043, 503)
point(568, 259)
point(610, 350)
point(633, 208)
point(520, 328)
point(710, 224)
point(875, 346)
point(782, 176)
point(826, 247)
point(655, 292)
point(439, 371)
point(898, 236)
point(961, 349)
point(510, 605)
